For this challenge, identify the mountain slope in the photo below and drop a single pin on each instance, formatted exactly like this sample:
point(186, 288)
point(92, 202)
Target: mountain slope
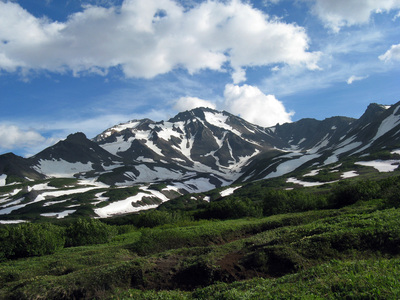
point(195, 151)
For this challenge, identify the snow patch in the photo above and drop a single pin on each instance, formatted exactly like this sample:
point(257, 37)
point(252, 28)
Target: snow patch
point(395, 152)
point(123, 206)
point(119, 146)
point(59, 215)
point(312, 173)
point(49, 203)
point(11, 208)
point(349, 174)
point(61, 168)
point(306, 183)
point(219, 120)
point(3, 178)
point(59, 193)
point(207, 198)
point(40, 187)
point(12, 221)
point(229, 191)
point(291, 165)
point(197, 185)
point(381, 165)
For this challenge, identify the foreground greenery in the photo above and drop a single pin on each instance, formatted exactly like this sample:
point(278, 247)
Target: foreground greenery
point(341, 241)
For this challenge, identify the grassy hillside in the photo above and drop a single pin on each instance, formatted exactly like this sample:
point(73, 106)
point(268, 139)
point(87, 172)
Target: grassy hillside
point(341, 241)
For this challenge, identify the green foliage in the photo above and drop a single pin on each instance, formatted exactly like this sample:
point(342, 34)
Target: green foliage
point(280, 201)
point(26, 240)
point(88, 232)
point(62, 182)
point(349, 192)
point(116, 194)
point(158, 186)
point(304, 248)
point(155, 218)
point(324, 175)
point(360, 279)
point(185, 202)
point(14, 179)
point(232, 208)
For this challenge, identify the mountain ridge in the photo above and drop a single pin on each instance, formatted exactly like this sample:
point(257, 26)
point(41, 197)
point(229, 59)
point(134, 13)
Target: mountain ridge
point(202, 149)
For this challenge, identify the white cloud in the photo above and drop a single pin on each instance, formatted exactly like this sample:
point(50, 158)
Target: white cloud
point(239, 76)
point(355, 78)
point(143, 42)
point(254, 106)
point(339, 13)
point(188, 103)
point(344, 55)
point(246, 101)
point(12, 136)
point(393, 54)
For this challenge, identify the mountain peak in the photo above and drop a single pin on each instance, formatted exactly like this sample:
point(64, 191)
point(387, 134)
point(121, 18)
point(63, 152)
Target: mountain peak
point(373, 110)
point(195, 112)
point(76, 137)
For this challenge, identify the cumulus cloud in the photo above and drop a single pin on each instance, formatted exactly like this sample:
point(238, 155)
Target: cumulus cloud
point(393, 54)
point(246, 101)
point(145, 38)
point(254, 106)
point(12, 136)
point(355, 78)
point(339, 13)
point(188, 103)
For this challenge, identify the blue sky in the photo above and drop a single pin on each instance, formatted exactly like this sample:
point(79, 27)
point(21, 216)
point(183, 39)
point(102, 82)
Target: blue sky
point(86, 65)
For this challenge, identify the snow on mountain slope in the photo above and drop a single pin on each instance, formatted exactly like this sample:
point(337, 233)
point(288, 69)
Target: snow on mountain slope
point(61, 168)
point(3, 178)
point(201, 140)
point(195, 151)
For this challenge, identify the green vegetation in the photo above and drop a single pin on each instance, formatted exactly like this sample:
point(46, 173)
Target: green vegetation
point(116, 194)
point(25, 240)
point(62, 182)
point(329, 242)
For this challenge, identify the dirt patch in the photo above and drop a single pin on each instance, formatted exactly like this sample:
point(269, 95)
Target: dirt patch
point(161, 275)
point(231, 268)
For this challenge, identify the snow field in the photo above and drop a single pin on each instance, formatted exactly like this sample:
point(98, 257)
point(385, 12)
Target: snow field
point(59, 215)
point(349, 174)
point(381, 165)
point(61, 168)
point(306, 183)
point(291, 165)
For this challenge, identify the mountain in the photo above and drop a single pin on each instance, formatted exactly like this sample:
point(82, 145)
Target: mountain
point(195, 151)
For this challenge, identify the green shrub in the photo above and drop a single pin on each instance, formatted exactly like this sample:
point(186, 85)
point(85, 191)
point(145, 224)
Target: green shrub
point(348, 193)
point(25, 240)
point(278, 202)
point(232, 208)
point(89, 232)
point(155, 218)
point(116, 194)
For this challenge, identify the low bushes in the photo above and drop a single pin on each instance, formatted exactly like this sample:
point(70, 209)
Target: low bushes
point(30, 240)
point(37, 239)
point(232, 208)
point(88, 232)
